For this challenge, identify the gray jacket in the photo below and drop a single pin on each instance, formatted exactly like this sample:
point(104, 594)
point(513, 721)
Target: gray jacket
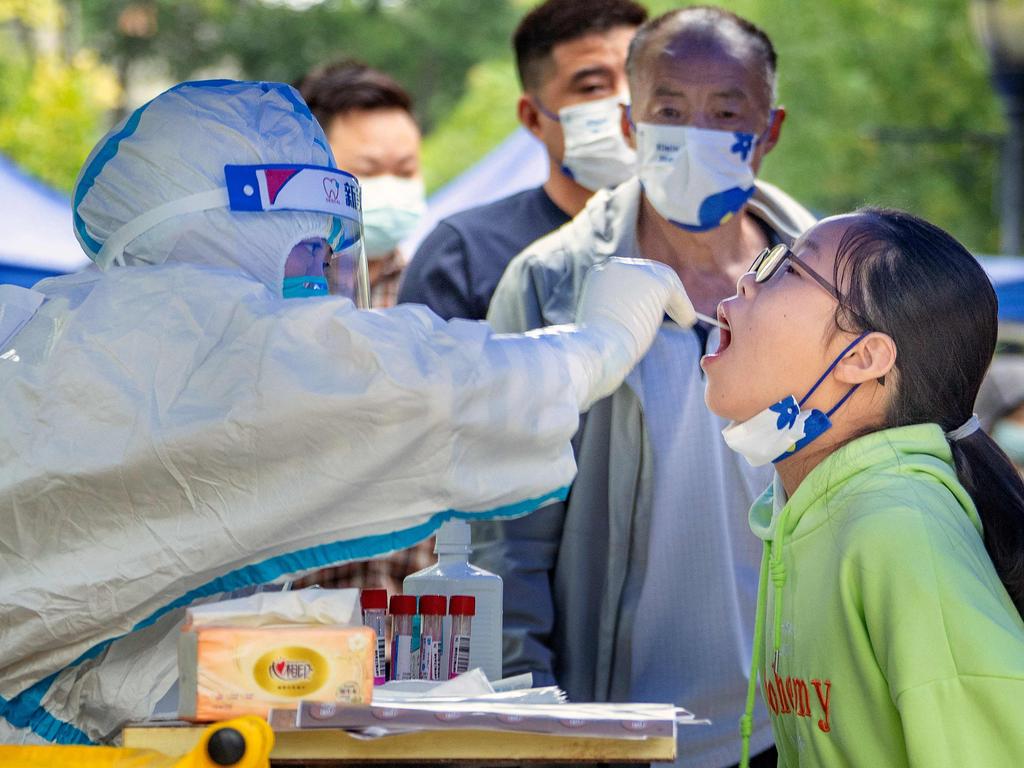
point(573, 570)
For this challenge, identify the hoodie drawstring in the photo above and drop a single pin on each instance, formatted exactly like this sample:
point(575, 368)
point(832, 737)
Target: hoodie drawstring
point(773, 564)
point(777, 566)
point(747, 721)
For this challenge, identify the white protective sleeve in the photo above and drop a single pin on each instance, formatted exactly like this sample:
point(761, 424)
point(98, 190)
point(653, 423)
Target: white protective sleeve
point(622, 305)
point(174, 432)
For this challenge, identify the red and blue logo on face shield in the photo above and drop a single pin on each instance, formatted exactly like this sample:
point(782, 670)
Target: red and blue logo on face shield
point(293, 188)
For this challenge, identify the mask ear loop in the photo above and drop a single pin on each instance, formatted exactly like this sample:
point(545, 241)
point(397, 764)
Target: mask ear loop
point(545, 111)
point(835, 362)
point(768, 130)
point(845, 397)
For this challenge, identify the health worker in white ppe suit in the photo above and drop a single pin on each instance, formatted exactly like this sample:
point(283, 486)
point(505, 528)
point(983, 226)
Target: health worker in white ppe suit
point(176, 427)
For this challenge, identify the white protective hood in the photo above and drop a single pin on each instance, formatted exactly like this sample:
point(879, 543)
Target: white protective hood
point(158, 159)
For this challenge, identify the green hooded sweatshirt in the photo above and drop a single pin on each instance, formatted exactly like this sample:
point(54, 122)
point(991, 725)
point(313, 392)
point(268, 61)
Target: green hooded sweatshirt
point(896, 643)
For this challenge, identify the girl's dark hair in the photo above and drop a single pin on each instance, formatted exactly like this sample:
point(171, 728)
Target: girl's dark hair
point(913, 281)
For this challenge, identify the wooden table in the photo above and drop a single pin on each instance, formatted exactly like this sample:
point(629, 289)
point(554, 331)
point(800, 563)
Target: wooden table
point(453, 747)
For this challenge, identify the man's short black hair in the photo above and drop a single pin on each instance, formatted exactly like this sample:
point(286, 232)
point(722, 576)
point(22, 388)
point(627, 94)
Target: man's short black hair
point(559, 21)
point(348, 85)
point(708, 15)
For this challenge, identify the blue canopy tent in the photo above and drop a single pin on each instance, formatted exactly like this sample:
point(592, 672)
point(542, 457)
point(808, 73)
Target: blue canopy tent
point(35, 220)
point(1007, 275)
point(518, 163)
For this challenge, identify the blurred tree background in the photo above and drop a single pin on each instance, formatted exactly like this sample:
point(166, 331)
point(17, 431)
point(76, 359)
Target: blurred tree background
point(888, 102)
point(55, 97)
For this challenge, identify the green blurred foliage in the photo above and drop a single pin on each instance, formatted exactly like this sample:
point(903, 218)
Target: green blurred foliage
point(427, 45)
point(53, 103)
point(887, 102)
point(483, 117)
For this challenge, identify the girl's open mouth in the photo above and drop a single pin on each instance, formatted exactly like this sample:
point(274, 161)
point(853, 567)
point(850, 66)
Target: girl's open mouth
point(724, 336)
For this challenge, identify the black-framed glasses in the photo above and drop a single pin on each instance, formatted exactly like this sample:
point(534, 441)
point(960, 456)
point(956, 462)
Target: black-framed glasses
point(768, 261)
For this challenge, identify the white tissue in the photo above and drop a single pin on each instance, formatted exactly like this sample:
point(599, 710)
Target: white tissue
point(304, 606)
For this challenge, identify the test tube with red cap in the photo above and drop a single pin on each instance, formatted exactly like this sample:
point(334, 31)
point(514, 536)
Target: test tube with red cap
point(432, 610)
point(374, 603)
point(403, 609)
point(462, 608)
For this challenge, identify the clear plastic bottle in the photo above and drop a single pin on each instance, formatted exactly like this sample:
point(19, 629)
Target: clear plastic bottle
point(432, 610)
point(454, 575)
point(404, 659)
point(374, 603)
point(461, 608)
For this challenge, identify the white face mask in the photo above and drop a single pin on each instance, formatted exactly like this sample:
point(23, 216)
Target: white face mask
point(782, 429)
point(596, 154)
point(392, 207)
point(695, 177)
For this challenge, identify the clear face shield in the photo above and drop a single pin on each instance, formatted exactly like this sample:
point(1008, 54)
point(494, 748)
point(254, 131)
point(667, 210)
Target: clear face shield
point(348, 274)
point(336, 264)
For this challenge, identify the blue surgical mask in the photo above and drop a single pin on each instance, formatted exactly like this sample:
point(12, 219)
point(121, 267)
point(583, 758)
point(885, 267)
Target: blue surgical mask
point(303, 286)
point(784, 428)
point(1009, 435)
point(392, 207)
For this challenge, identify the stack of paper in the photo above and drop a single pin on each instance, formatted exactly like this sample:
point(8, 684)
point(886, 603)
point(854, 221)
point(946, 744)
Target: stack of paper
point(616, 721)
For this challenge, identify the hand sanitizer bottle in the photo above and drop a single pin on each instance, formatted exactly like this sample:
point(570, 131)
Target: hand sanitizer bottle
point(454, 575)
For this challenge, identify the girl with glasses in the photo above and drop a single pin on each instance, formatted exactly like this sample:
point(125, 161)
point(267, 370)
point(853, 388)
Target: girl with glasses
point(889, 627)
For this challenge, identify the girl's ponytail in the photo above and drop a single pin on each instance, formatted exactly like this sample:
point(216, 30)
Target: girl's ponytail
point(913, 281)
point(998, 493)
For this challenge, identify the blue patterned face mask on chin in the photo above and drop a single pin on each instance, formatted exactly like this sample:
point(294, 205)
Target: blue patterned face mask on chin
point(782, 429)
point(303, 286)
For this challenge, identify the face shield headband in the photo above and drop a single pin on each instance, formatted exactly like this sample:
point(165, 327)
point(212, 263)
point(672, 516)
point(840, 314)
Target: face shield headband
point(261, 189)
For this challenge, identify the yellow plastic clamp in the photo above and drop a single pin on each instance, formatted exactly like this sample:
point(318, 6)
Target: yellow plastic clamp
point(244, 742)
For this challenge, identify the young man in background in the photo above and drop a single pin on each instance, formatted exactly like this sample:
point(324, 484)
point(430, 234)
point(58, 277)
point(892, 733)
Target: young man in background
point(368, 119)
point(571, 59)
point(369, 122)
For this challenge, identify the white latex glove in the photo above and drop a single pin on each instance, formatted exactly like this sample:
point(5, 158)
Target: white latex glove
point(622, 305)
point(621, 308)
point(633, 295)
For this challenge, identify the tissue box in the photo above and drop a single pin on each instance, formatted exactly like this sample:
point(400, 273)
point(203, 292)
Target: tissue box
point(230, 671)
